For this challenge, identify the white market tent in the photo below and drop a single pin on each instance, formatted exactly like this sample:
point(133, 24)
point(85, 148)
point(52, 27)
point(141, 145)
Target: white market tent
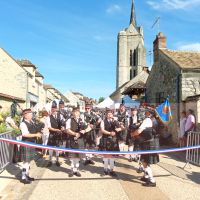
point(107, 103)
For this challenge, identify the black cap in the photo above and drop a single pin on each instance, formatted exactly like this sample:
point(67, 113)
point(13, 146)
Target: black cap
point(61, 102)
point(25, 111)
point(54, 104)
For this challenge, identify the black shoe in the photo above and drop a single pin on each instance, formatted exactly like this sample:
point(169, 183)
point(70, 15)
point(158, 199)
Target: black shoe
point(25, 181)
point(71, 174)
point(86, 162)
point(144, 179)
point(49, 164)
point(78, 174)
point(112, 173)
point(57, 164)
point(91, 162)
point(149, 184)
point(139, 171)
point(30, 178)
point(105, 173)
point(135, 159)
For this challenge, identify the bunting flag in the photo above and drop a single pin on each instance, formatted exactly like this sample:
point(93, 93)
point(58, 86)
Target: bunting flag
point(164, 112)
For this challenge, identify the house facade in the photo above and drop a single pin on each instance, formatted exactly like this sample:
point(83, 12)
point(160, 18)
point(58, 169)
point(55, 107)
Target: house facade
point(175, 74)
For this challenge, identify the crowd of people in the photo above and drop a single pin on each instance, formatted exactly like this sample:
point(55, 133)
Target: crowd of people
point(187, 123)
point(106, 130)
point(103, 130)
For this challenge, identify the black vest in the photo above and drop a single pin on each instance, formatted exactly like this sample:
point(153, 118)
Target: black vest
point(32, 130)
point(109, 126)
point(76, 126)
point(54, 122)
point(122, 118)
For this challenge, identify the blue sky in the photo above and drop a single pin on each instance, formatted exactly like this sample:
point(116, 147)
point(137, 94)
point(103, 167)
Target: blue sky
point(74, 43)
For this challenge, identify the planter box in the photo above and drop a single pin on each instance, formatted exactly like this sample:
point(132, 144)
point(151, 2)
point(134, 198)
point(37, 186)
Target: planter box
point(6, 150)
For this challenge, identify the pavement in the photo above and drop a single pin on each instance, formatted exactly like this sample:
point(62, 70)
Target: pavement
point(173, 182)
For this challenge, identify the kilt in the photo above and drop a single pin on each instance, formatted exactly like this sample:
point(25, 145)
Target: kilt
point(150, 145)
point(54, 139)
point(75, 144)
point(122, 135)
point(90, 140)
point(108, 144)
point(27, 154)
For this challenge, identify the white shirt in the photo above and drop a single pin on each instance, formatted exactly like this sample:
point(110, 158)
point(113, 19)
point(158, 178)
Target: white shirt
point(189, 121)
point(68, 124)
point(24, 129)
point(47, 125)
point(9, 122)
point(182, 126)
point(147, 123)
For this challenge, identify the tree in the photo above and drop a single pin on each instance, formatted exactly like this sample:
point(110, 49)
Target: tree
point(101, 99)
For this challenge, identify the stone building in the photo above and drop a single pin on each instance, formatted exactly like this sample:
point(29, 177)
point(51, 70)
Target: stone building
point(20, 80)
point(35, 91)
point(75, 100)
point(52, 93)
point(13, 81)
point(131, 53)
point(131, 70)
point(174, 73)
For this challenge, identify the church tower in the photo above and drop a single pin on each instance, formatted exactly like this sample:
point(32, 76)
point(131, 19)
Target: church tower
point(131, 53)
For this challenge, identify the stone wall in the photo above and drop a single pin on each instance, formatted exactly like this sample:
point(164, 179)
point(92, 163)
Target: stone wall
point(190, 84)
point(13, 78)
point(163, 78)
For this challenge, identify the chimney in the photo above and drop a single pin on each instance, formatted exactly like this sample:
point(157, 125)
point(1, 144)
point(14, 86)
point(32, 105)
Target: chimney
point(159, 43)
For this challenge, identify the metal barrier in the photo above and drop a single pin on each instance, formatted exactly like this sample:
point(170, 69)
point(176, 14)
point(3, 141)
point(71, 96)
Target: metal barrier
point(6, 151)
point(193, 155)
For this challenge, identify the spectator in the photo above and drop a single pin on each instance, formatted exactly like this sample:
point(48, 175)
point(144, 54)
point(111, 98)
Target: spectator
point(181, 131)
point(10, 123)
point(45, 132)
point(190, 124)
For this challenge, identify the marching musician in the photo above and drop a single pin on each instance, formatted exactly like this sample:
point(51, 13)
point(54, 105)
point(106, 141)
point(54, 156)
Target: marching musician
point(109, 141)
point(123, 120)
point(75, 129)
point(30, 133)
point(144, 135)
point(55, 133)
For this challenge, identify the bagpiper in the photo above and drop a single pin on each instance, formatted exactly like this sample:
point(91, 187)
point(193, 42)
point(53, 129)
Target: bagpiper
point(55, 133)
point(146, 137)
point(122, 118)
point(109, 141)
point(30, 133)
point(75, 128)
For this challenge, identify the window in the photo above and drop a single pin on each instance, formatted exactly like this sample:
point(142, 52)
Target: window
point(134, 58)
point(131, 74)
point(131, 58)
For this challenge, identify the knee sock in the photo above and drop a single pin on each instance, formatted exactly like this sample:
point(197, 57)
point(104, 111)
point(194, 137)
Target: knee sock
point(121, 146)
point(150, 174)
point(105, 161)
point(25, 169)
point(77, 163)
point(112, 164)
point(130, 148)
point(50, 155)
point(57, 156)
point(89, 156)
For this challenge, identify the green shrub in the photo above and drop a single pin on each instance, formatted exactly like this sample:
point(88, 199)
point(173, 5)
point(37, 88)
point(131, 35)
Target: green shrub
point(3, 128)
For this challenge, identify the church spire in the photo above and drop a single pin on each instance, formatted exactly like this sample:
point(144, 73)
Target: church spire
point(133, 17)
